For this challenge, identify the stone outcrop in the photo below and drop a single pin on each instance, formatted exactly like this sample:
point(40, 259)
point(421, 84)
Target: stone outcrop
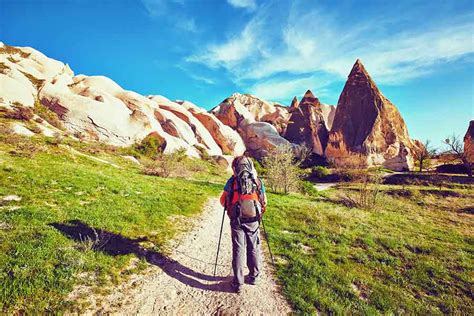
point(260, 138)
point(95, 108)
point(245, 107)
point(469, 142)
point(368, 125)
point(258, 122)
point(307, 126)
point(228, 139)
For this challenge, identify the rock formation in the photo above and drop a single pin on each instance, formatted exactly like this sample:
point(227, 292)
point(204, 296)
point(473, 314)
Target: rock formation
point(469, 142)
point(367, 124)
point(306, 125)
point(239, 107)
point(258, 122)
point(98, 109)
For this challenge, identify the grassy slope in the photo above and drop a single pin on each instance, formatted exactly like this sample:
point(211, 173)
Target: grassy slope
point(38, 264)
point(409, 255)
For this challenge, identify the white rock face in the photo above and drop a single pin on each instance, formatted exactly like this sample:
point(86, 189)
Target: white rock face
point(258, 122)
point(96, 108)
point(228, 139)
point(239, 107)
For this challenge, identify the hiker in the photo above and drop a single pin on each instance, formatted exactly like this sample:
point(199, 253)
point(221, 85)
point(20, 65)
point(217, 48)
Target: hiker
point(244, 200)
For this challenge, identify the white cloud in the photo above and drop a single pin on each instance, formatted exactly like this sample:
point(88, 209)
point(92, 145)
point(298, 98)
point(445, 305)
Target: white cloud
point(232, 53)
point(283, 89)
point(171, 10)
point(243, 4)
point(310, 41)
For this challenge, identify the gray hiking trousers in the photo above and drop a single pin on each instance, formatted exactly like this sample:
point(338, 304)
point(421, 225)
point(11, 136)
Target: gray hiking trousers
point(245, 243)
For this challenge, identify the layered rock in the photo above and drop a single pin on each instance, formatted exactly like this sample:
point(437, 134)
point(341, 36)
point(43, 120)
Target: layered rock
point(258, 122)
point(366, 124)
point(97, 109)
point(469, 142)
point(307, 126)
point(228, 139)
point(244, 107)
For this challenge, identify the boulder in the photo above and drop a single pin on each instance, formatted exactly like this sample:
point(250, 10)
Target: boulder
point(260, 138)
point(306, 125)
point(367, 124)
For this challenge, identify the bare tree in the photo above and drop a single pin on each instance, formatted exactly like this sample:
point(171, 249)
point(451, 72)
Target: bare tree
point(282, 168)
point(423, 152)
point(456, 149)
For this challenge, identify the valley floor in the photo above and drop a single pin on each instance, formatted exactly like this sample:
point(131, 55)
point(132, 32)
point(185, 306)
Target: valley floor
point(184, 284)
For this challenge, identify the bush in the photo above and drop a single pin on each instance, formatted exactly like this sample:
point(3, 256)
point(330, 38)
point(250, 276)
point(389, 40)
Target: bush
point(307, 188)
point(150, 146)
point(320, 172)
point(33, 127)
point(5, 129)
point(168, 165)
point(283, 172)
point(203, 153)
point(366, 196)
point(19, 112)
point(48, 115)
point(55, 140)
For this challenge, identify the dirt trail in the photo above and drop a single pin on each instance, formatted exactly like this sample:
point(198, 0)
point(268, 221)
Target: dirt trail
point(185, 284)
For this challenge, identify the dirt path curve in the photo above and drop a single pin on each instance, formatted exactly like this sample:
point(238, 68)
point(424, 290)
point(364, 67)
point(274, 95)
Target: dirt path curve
point(185, 285)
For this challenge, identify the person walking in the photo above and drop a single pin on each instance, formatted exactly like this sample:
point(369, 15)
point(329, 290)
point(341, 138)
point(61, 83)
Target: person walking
point(245, 201)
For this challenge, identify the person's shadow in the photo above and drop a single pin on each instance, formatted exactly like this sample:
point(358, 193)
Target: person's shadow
point(116, 245)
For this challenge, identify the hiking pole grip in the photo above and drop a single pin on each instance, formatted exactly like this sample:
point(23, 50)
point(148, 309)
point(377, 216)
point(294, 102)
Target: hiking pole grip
point(219, 244)
point(268, 242)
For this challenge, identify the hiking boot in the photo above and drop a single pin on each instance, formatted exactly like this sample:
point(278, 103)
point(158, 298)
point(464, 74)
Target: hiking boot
point(251, 280)
point(237, 288)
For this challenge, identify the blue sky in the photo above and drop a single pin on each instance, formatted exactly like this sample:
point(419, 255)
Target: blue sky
point(420, 53)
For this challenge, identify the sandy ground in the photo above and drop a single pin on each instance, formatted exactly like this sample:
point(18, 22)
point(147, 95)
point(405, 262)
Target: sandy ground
point(184, 284)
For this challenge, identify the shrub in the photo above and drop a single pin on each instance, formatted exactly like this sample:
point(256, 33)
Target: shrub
point(26, 149)
point(19, 112)
point(168, 165)
point(319, 172)
point(150, 146)
point(5, 129)
point(308, 188)
point(33, 127)
point(283, 172)
point(48, 115)
point(203, 153)
point(367, 194)
point(55, 140)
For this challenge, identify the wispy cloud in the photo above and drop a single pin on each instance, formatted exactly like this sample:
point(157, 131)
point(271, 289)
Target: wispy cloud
point(313, 40)
point(171, 10)
point(243, 4)
point(281, 89)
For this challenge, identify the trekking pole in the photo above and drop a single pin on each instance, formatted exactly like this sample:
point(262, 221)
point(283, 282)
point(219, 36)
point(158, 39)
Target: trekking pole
point(268, 242)
point(219, 244)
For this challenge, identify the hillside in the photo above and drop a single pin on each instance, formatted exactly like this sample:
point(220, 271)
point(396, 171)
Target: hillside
point(44, 96)
point(67, 205)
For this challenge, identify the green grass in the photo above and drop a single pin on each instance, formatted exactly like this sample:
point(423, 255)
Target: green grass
point(413, 254)
point(39, 265)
